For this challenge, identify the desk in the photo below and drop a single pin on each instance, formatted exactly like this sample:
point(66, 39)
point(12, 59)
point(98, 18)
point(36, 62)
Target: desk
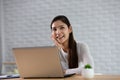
point(78, 77)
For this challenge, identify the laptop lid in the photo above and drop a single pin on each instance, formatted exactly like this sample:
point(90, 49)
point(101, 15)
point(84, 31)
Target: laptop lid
point(38, 62)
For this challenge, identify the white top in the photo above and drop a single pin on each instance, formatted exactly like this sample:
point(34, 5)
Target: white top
point(84, 57)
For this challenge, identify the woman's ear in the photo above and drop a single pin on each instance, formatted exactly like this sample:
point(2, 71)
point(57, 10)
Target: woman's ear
point(70, 29)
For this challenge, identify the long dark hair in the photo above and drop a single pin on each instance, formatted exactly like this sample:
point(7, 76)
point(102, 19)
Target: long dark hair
point(72, 56)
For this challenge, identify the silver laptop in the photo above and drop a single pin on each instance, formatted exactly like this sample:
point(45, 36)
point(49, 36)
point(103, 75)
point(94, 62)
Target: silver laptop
point(36, 62)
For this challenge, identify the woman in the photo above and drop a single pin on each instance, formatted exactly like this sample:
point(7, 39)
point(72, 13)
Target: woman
point(73, 55)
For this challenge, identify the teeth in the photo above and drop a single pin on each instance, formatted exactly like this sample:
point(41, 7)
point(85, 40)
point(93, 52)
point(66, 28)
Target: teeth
point(59, 37)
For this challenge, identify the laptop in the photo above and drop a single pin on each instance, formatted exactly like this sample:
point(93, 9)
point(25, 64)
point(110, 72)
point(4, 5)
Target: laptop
point(39, 62)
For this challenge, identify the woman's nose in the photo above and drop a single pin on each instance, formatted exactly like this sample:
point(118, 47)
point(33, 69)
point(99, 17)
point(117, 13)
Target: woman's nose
point(58, 31)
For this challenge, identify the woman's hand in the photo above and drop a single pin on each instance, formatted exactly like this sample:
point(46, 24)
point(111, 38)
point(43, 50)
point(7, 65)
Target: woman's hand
point(56, 42)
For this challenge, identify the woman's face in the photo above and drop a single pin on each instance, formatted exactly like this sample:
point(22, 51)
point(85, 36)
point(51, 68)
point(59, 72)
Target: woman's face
point(60, 31)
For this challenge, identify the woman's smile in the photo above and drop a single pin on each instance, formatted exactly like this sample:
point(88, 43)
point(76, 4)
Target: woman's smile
point(60, 37)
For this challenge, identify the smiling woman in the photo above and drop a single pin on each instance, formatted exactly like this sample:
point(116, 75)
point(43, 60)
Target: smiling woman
point(73, 55)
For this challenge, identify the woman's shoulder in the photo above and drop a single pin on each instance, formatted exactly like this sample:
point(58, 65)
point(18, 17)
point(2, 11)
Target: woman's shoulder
point(82, 44)
point(82, 48)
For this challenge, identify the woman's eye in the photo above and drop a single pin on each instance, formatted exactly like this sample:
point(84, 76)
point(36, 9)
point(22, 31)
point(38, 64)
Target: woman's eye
point(54, 29)
point(61, 27)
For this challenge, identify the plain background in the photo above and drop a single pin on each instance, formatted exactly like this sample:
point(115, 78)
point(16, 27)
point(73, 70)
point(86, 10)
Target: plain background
point(26, 23)
point(0, 37)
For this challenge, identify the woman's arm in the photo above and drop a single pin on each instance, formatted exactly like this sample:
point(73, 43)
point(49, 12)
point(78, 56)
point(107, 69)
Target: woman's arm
point(83, 53)
point(74, 70)
point(87, 58)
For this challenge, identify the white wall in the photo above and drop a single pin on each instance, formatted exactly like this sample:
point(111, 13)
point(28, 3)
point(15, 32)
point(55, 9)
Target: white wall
point(1, 36)
point(96, 22)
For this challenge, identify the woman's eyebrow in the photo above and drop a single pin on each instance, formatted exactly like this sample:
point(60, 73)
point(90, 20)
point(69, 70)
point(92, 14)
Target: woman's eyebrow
point(58, 26)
